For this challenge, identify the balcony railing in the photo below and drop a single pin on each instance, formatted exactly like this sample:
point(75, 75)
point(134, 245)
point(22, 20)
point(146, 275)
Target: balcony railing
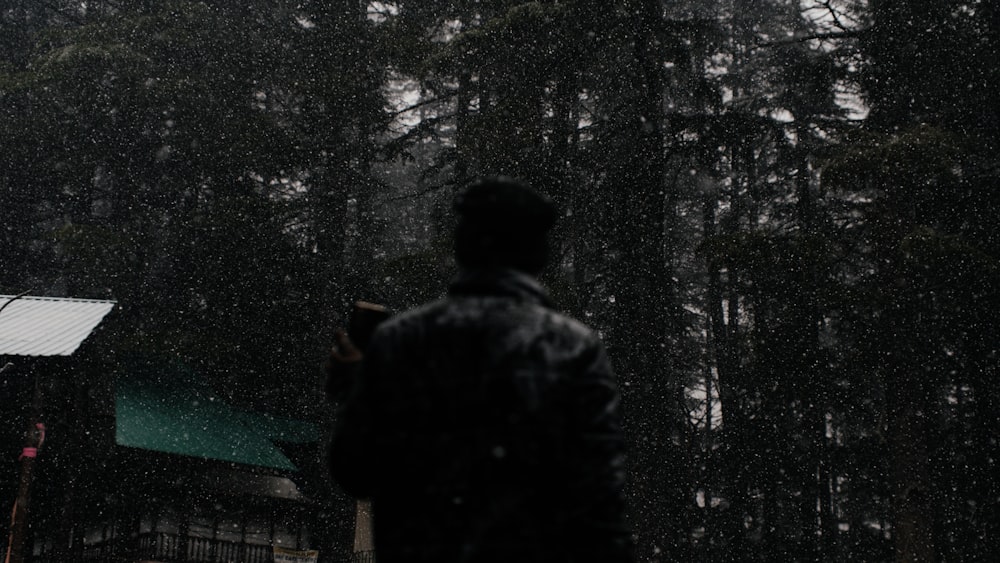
point(362, 557)
point(170, 548)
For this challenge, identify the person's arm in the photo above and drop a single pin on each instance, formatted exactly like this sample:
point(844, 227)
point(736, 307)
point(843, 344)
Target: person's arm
point(352, 449)
point(341, 368)
point(597, 458)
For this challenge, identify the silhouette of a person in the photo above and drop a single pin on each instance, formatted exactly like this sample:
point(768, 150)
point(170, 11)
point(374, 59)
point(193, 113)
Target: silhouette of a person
point(485, 427)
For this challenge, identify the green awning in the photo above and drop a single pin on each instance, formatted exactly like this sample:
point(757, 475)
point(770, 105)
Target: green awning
point(177, 413)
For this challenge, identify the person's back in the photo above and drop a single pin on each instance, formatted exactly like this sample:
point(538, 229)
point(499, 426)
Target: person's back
point(485, 427)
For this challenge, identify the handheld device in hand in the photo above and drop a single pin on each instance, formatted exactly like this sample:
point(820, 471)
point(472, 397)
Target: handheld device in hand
point(365, 317)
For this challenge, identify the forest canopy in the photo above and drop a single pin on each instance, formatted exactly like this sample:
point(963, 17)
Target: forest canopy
point(780, 215)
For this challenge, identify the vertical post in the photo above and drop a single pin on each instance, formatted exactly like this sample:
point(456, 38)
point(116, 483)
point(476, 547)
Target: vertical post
point(215, 547)
point(271, 530)
point(298, 536)
point(33, 440)
point(244, 552)
point(184, 528)
point(363, 537)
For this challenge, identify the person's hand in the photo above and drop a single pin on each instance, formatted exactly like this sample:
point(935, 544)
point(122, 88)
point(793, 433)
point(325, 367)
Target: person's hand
point(344, 351)
point(341, 366)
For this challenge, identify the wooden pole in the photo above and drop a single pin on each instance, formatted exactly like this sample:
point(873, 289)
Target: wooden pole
point(363, 536)
point(33, 440)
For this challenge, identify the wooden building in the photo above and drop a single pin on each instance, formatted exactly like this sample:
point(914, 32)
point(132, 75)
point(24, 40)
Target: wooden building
point(186, 477)
point(144, 462)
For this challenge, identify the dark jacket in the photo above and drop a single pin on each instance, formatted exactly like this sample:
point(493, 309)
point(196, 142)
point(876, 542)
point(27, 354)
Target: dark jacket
point(486, 428)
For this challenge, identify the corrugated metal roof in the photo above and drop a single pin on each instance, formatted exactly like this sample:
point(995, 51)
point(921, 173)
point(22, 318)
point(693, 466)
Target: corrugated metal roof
point(47, 326)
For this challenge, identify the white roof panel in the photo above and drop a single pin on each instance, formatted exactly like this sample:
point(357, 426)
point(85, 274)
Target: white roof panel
point(47, 326)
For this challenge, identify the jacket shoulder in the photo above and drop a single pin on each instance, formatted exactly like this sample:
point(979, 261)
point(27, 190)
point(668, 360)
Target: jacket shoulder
point(529, 320)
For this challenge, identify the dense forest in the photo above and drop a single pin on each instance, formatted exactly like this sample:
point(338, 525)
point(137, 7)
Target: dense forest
point(780, 215)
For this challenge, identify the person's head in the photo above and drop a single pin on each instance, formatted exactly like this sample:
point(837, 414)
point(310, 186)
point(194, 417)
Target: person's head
point(502, 223)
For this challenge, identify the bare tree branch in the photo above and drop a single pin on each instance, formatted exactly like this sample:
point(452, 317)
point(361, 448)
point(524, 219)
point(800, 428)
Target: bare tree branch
point(423, 103)
point(848, 34)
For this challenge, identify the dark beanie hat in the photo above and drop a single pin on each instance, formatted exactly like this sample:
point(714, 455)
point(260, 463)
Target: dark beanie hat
point(502, 222)
point(502, 205)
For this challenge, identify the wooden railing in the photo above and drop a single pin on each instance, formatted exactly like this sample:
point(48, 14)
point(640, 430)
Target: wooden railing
point(171, 548)
point(176, 549)
point(180, 549)
point(363, 557)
